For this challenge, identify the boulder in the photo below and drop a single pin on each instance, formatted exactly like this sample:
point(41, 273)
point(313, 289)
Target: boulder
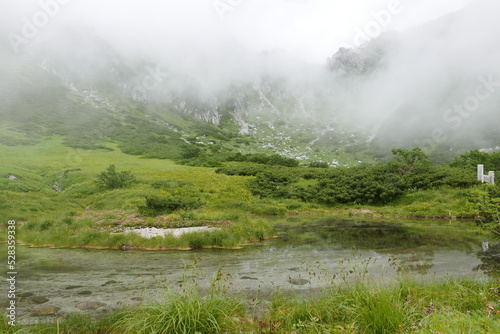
point(90, 305)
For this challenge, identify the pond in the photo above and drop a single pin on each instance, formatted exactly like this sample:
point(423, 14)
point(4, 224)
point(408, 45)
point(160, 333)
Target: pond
point(308, 253)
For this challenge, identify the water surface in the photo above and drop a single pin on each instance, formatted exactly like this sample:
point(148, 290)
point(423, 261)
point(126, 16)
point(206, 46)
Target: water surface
point(309, 253)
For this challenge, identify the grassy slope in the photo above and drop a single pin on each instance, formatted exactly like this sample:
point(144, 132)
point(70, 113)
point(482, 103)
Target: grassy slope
point(50, 216)
point(32, 198)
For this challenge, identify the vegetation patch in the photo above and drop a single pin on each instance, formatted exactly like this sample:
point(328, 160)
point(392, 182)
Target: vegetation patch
point(363, 306)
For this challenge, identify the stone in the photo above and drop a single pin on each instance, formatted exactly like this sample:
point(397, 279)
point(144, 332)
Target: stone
point(298, 281)
point(109, 282)
point(71, 287)
point(25, 294)
point(45, 311)
point(39, 299)
point(90, 305)
point(248, 277)
point(126, 247)
point(129, 304)
point(12, 177)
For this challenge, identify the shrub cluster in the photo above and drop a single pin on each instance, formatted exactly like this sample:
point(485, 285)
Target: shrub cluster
point(486, 201)
point(157, 205)
point(470, 160)
point(357, 185)
point(272, 160)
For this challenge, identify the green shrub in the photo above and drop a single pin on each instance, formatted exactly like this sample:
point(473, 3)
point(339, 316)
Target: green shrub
point(360, 185)
point(271, 183)
point(470, 160)
point(487, 205)
point(242, 170)
point(190, 152)
point(318, 164)
point(157, 205)
point(264, 159)
point(111, 179)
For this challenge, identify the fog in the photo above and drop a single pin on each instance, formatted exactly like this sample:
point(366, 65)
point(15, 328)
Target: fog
point(416, 59)
point(183, 32)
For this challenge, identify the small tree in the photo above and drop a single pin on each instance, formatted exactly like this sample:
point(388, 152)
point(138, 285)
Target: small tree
point(111, 179)
point(407, 161)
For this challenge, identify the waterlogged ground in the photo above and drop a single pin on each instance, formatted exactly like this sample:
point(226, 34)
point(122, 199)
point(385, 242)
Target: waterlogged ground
point(308, 254)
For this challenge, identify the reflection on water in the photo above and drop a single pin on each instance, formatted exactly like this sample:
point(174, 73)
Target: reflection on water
point(308, 254)
point(490, 258)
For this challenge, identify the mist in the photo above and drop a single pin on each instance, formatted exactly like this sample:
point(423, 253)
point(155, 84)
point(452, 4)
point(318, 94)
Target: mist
point(411, 62)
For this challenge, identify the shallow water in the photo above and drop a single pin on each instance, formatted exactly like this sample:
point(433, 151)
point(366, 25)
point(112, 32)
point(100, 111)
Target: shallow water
point(309, 253)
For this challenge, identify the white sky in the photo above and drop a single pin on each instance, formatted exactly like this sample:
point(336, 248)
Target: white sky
point(311, 30)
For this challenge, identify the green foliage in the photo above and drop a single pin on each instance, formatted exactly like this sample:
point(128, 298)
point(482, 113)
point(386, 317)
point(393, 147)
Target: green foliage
point(438, 176)
point(486, 200)
point(272, 183)
point(157, 205)
point(242, 170)
point(470, 160)
point(111, 179)
point(318, 164)
point(190, 152)
point(360, 185)
point(356, 185)
point(407, 161)
point(264, 159)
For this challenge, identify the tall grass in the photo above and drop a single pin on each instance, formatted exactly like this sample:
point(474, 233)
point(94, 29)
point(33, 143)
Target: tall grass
point(405, 306)
point(395, 308)
point(186, 312)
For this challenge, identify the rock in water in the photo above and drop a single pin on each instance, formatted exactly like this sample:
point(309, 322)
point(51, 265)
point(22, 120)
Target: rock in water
point(44, 311)
point(39, 299)
point(109, 282)
point(126, 247)
point(25, 294)
point(71, 287)
point(298, 281)
point(90, 305)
